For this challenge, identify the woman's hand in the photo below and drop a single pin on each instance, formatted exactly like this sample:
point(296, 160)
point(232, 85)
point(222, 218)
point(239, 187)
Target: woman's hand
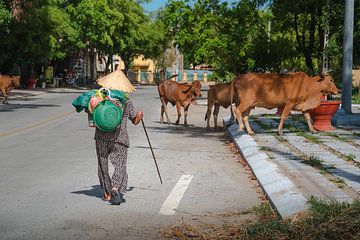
point(137, 119)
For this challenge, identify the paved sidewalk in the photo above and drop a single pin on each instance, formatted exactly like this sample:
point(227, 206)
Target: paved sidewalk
point(299, 165)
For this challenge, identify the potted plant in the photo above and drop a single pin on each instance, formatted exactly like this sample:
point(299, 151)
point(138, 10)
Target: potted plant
point(323, 114)
point(31, 82)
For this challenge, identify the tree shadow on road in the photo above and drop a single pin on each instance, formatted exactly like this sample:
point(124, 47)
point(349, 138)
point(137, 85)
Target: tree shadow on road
point(189, 131)
point(13, 107)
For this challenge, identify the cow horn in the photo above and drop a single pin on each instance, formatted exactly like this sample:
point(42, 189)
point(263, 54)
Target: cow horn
point(327, 72)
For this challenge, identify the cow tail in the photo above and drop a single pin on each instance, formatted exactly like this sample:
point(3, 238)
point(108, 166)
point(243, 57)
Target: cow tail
point(206, 116)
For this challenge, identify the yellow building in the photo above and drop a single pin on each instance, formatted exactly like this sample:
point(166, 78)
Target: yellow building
point(142, 70)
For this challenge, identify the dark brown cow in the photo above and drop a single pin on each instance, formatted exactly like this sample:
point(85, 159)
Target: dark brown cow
point(7, 83)
point(219, 95)
point(179, 94)
point(295, 91)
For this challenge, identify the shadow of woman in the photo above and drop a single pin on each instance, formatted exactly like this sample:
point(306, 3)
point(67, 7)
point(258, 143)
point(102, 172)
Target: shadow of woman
point(95, 191)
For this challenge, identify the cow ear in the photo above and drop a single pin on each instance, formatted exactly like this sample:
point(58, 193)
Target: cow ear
point(321, 77)
point(187, 90)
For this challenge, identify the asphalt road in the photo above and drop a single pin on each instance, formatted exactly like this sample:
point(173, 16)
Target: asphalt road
point(48, 172)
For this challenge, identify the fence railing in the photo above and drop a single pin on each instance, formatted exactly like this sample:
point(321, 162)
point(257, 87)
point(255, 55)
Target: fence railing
point(148, 77)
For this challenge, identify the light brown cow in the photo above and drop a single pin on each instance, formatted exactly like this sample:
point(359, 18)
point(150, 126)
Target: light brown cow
point(295, 91)
point(179, 94)
point(7, 83)
point(219, 95)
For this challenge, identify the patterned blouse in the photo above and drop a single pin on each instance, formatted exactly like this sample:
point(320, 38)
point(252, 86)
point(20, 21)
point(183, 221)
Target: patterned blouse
point(120, 135)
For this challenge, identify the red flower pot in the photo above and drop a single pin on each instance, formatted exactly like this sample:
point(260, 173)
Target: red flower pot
point(323, 114)
point(31, 83)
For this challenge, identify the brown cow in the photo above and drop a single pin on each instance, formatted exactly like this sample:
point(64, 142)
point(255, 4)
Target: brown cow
point(179, 94)
point(7, 83)
point(295, 91)
point(219, 95)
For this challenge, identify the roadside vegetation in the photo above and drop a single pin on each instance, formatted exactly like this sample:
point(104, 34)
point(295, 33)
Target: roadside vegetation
point(323, 220)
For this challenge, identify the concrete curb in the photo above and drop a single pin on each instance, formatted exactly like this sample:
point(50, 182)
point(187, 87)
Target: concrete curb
point(284, 196)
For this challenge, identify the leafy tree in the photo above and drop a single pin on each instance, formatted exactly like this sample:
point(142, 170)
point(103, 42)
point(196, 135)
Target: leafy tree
point(5, 21)
point(39, 31)
point(112, 27)
point(214, 32)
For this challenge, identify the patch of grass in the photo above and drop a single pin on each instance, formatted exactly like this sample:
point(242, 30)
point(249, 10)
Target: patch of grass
point(265, 148)
point(313, 161)
point(309, 137)
point(326, 220)
point(337, 181)
point(323, 220)
point(331, 134)
point(358, 164)
point(356, 99)
point(356, 134)
point(334, 135)
point(263, 125)
point(294, 129)
point(325, 169)
point(349, 157)
point(282, 139)
point(291, 128)
point(264, 211)
point(330, 166)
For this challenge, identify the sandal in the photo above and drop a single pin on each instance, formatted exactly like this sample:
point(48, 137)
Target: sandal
point(116, 198)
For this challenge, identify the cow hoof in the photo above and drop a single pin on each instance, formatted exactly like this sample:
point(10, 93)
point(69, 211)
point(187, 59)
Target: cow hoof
point(251, 133)
point(186, 125)
point(280, 133)
point(313, 131)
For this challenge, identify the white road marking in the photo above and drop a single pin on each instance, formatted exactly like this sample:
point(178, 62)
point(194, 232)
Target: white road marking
point(174, 198)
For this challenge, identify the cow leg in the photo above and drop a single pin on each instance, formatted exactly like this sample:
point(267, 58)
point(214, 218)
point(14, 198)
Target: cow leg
point(308, 121)
point(216, 113)
point(238, 114)
point(246, 121)
point(239, 110)
point(186, 108)
point(178, 108)
point(232, 117)
point(162, 114)
point(164, 108)
point(284, 114)
point(208, 113)
point(5, 97)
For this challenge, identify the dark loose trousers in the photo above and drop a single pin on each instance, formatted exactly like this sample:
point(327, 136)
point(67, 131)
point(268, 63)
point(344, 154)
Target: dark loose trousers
point(113, 146)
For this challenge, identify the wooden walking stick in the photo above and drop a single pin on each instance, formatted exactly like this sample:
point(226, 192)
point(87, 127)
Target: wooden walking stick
point(157, 168)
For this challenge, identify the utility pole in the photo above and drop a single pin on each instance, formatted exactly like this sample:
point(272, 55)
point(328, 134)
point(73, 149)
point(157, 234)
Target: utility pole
point(325, 60)
point(347, 56)
point(176, 63)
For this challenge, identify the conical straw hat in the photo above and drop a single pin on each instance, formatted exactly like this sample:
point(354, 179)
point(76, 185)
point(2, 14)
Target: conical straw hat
point(116, 80)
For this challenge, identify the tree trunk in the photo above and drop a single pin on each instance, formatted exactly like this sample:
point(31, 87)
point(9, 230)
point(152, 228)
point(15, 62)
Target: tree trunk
point(92, 70)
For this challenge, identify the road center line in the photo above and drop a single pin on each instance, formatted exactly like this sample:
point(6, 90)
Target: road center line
point(18, 130)
point(175, 196)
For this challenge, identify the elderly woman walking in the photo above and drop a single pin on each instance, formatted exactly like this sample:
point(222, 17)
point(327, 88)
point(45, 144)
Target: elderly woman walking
point(113, 146)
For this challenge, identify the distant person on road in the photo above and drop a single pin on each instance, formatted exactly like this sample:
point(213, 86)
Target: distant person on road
point(113, 146)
